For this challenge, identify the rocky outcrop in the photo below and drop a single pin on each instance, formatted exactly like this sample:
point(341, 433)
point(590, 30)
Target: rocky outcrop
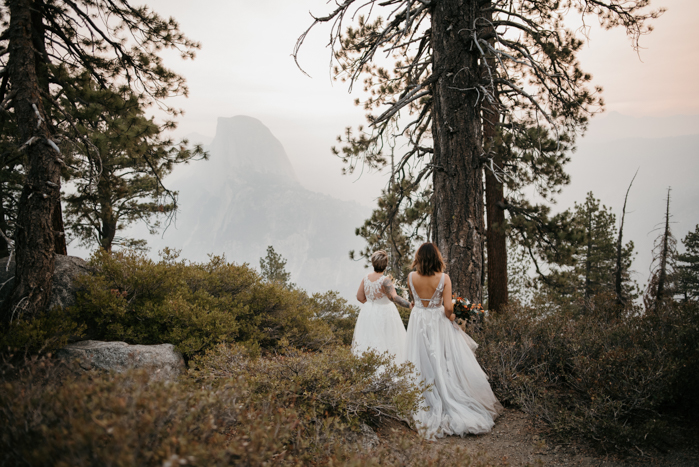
point(62, 293)
point(162, 361)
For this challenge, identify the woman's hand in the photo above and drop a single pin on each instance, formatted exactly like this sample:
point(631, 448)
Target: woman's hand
point(452, 317)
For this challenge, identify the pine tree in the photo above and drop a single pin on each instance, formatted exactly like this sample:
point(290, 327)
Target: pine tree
point(133, 161)
point(50, 45)
point(662, 285)
point(395, 227)
point(273, 268)
point(454, 66)
point(619, 268)
point(688, 267)
point(593, 269)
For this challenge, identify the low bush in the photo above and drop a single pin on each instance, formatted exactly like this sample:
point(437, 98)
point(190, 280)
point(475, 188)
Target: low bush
point(195, 306)
point(337, 313)
point(234, 408)
point(602, 374)
point(126, 420)
point(41, 334)
point(332, 384)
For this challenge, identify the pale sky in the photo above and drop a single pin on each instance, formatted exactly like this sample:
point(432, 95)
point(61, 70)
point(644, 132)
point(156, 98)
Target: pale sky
point(245, 67)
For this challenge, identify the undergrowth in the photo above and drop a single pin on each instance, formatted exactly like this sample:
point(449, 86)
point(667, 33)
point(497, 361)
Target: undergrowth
point(271, 379)
point(295, 408)
point(195, 306)
point(610, 376)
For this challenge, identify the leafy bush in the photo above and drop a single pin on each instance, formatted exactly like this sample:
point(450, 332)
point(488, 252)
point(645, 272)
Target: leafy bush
point(332, 383)
point(602, 374)
point(337, 313)
point(194, 306)
point(41, 334)
point(124, 419)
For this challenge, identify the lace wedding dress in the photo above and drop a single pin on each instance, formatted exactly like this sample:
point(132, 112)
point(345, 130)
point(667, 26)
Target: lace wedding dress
point(379, 325)
point(460, 400)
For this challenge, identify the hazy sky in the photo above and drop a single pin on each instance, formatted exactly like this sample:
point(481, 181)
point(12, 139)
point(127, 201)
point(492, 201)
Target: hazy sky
point(245, 67)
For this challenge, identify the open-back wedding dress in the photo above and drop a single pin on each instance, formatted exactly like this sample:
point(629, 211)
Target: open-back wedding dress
point(379, 325)
point(460, 400)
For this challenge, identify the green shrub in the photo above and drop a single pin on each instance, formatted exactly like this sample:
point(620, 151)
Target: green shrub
point(321, 385)
point(337, 313)
point(194, 306)
point(602, 374)
point(41, 334)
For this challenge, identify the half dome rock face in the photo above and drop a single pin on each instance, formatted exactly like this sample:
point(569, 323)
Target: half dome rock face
point(247, 196)
point(245, 149)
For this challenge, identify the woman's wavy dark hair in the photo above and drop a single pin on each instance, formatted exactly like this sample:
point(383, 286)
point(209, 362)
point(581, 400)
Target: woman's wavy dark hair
point(428, 260)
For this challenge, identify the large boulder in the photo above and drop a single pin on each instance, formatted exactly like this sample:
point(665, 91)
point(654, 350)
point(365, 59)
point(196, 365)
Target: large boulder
point(62, 292)
point(163, 361)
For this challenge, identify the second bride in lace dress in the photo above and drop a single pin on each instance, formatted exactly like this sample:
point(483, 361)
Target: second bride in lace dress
point(379, 326)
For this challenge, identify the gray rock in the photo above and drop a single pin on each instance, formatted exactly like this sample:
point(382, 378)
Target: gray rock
point(163, 361)
point(62, 293)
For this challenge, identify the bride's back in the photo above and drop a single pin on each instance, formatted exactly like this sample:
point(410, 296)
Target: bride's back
point(425, 286)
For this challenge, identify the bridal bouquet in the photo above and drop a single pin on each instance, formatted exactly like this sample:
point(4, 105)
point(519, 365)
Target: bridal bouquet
point(465, 310)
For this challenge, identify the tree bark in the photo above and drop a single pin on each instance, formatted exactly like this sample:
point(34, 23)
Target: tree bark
point(457, 221)
point(41, 62)
point(496, 243)
point(59, 237)
point(34, 236)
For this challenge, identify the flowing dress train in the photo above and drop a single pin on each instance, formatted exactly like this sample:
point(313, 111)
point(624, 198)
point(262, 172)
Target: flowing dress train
point(460, 400)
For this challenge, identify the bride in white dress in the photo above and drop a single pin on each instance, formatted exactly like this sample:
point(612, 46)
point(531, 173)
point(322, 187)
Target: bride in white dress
point(379, 325)
point(460, 400)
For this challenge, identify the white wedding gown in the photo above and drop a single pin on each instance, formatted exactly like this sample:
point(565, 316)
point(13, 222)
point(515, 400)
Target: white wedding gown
point(379, 325)
point(460, 400)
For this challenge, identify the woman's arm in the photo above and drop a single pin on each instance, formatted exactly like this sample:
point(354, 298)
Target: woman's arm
point(446, 296)
point(360, 293)
point(390, 291)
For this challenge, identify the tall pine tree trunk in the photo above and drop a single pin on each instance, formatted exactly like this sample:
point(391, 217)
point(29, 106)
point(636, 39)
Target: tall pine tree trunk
point(41, 60)
point(34, 236)
point(59, 237)
point(457, 221)
point(498, 296)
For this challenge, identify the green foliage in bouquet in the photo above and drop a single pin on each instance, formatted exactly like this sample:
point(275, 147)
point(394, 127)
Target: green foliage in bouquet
point(465, 310)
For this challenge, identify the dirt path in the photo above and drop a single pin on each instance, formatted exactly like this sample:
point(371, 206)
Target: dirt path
point(517, 441)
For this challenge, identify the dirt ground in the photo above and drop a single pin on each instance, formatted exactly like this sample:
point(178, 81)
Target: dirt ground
point(516, 440)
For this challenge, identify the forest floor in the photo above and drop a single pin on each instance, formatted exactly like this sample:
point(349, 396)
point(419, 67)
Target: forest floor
point(518, 440)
